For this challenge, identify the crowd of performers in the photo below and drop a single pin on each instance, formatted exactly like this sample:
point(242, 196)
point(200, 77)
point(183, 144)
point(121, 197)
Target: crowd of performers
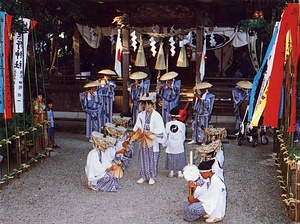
point(111, 152)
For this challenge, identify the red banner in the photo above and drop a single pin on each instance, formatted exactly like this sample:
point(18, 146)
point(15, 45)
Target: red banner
point(289, 21)
point(7, 89)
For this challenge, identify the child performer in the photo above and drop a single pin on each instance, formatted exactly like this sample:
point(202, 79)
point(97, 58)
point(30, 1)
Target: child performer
point(175, 130)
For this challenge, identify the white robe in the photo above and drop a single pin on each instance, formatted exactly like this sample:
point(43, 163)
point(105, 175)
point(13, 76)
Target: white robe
point(214, 198)
point(156, 126)
point(95, 169)
point(176, 138)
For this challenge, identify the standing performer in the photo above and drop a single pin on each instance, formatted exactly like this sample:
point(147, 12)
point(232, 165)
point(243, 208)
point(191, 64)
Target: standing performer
point(203, 106)
point(170, 93)
point(138, 89)
point(175, 158)
point(150, 127)
point(240, 96)
point(210, 204)
point(100, 168)
point(91, 104)
point(106, 91)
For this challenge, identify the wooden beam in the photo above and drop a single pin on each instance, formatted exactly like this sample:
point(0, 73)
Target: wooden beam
point(76, 51)
point(125, 69)
point(199, 49)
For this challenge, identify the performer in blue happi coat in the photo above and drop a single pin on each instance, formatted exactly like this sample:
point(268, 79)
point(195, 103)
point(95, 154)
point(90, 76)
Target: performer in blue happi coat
point(106, 91)
point(202, 109)
point(240, 96)
point(170, 94)
point(137, 89)
point(91, 104)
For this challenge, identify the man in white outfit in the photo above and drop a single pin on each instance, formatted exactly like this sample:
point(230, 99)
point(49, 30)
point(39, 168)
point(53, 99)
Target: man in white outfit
point(210, 205)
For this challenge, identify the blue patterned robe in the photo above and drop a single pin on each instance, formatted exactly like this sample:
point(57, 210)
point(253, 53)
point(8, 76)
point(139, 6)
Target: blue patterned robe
point(91, 104)
point(107, 94)
point(136, 93)
point(201, 116)
point(170, 99)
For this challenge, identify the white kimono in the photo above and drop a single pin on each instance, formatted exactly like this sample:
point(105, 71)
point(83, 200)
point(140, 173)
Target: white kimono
point(95, 169)
point(156, 126)
point(214, 198)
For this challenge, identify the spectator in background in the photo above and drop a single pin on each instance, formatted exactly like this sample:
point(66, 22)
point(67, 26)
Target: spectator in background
point(211, 64)
point(51, 130)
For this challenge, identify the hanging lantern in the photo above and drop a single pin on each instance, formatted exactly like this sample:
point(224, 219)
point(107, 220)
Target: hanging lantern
point(160, 61)
point(182, 58)
point(140, 57)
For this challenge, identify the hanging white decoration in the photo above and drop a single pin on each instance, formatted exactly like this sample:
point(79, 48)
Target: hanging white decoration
point(172, 46)
point(188, 39)
point(133, 40)
point(212, 40)
point(153, 47)
point(111, 38)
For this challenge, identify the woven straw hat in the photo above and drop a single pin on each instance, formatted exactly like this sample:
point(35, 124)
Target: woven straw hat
point(203, 85)
point(92, 84)
point(244, 84)
point(107, 72)
point(211, 147)
point(168, 76)
point(101, 141)
point(138, 75)
point(115, 131)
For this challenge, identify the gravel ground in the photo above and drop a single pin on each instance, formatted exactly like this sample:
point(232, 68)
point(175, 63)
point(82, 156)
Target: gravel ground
point(54, 190)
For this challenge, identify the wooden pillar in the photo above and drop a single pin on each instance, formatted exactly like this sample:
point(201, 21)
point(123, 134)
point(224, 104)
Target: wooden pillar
point(125, 69)
point(199, 49)
point(76, 51)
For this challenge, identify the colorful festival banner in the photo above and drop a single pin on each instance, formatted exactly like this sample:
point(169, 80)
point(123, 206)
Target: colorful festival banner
point(19, 67)
point(2, 19)
point(289, 21)
point(262, 96)
point(260, 71)
point(7, 90)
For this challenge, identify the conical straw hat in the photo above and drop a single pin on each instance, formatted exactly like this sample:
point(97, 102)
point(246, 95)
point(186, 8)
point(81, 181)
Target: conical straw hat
point(203, 85)
point(168, 76)
point(92, 84)
point(107, 72)
point(140, 57)
point(160, 61)
point(244, 84)
point(138, 75)
point(182, 58)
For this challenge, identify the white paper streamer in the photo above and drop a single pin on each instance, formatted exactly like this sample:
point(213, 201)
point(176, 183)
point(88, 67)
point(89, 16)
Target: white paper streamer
point(133, 40)
point(172, 46)
point(153, 47)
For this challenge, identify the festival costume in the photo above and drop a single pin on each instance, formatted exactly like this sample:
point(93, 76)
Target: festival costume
point(98, 177)
point(201, 116)
point(170, 98)
point(148, 154)
point(39, 113)
point(136, 92)
point(175, 158)
point(107, 94)
point(212, 202)
point(241, 100)
point(91, 104)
